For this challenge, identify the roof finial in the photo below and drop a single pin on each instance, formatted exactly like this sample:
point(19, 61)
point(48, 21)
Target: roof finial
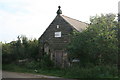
point(59, 10)
point(59, 7)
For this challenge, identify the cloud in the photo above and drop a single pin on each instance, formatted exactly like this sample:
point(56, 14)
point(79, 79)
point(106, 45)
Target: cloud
point(32, 17)
point(22, 17)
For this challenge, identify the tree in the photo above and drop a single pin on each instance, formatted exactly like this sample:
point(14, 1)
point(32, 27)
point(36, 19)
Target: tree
point(98, 43)
point(33, 49)
point(22, 48)
point(25, 45)
point(8, 52)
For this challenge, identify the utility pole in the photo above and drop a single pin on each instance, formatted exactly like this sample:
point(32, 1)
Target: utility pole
point(118, 37)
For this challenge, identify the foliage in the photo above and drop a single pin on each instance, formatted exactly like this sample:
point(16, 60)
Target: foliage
point(92, 72)
point(46, 62)
point(98, 43)
point(20, 49)
point(95, 47)
point(27, 52)
point(71, 72)
point(33, 65)
point(8, 54)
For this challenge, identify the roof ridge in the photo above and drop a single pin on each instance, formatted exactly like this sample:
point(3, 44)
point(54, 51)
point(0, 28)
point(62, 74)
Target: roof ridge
point(74, 19)
point(78, 25)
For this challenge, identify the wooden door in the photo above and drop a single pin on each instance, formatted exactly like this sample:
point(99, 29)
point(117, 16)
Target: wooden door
point(58, 57)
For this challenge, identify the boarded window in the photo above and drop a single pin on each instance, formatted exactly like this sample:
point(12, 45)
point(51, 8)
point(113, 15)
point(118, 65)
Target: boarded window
point(46, 48)
point(58, 34)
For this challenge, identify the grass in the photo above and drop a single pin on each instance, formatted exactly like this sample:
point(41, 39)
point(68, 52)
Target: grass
point(74, 72)
point(15, 68)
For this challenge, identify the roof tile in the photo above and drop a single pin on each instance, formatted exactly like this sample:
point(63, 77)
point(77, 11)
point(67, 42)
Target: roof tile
point(78, 25)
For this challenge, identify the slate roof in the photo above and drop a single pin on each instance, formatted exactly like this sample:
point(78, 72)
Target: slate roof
point(75, 24)
point(78, 25)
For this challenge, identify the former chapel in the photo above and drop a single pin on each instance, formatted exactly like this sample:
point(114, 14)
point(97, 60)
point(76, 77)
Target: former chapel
point(57, 36)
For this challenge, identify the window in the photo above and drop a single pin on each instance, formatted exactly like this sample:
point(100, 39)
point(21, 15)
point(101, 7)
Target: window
point(57, 26)
point(58, 34)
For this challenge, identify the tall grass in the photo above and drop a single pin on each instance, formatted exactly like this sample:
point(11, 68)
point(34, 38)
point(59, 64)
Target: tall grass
point(71, 72)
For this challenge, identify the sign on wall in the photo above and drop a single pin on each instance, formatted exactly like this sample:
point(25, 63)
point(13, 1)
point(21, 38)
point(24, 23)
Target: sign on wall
point(58, 34)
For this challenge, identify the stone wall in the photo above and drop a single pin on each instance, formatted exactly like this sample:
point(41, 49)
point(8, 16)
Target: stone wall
point(57, 43)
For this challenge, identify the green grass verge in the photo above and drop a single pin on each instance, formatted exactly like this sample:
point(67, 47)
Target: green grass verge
point(22, 69)
point(75, 72)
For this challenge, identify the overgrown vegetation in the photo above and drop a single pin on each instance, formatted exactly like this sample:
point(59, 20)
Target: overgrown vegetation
point(71, 72)
point(96, 48)
point(20, 49)
point(24, 52)
point(98, 43)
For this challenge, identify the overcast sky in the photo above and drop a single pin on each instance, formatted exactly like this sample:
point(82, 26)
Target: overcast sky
point(32, 17)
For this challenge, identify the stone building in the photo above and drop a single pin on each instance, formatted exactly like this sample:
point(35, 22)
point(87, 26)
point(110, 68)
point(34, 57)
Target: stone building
point(57, 36)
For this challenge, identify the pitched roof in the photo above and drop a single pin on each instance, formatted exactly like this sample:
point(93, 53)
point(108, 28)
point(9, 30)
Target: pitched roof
point(78, 25)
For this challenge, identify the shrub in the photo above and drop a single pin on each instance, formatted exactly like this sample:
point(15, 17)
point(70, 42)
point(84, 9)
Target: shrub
point(8, 58)
point(33, 65)
point(46, 62)
point(105, 71)
point(92, 72)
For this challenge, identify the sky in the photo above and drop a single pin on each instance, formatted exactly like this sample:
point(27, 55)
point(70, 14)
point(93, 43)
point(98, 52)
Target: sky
point(32, 17)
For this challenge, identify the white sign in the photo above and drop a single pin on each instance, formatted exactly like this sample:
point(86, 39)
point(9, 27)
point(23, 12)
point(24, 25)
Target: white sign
point(58, 34)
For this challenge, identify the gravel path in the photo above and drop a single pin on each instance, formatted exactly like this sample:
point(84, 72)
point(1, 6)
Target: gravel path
point(6, 74)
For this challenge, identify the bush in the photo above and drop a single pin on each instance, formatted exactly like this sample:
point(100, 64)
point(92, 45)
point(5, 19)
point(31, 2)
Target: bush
point(46, 62)
point(8, 58)
point(92, 72)
point(105, 71)
point(33, 65)
point(71, 72)
point(77, 72)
